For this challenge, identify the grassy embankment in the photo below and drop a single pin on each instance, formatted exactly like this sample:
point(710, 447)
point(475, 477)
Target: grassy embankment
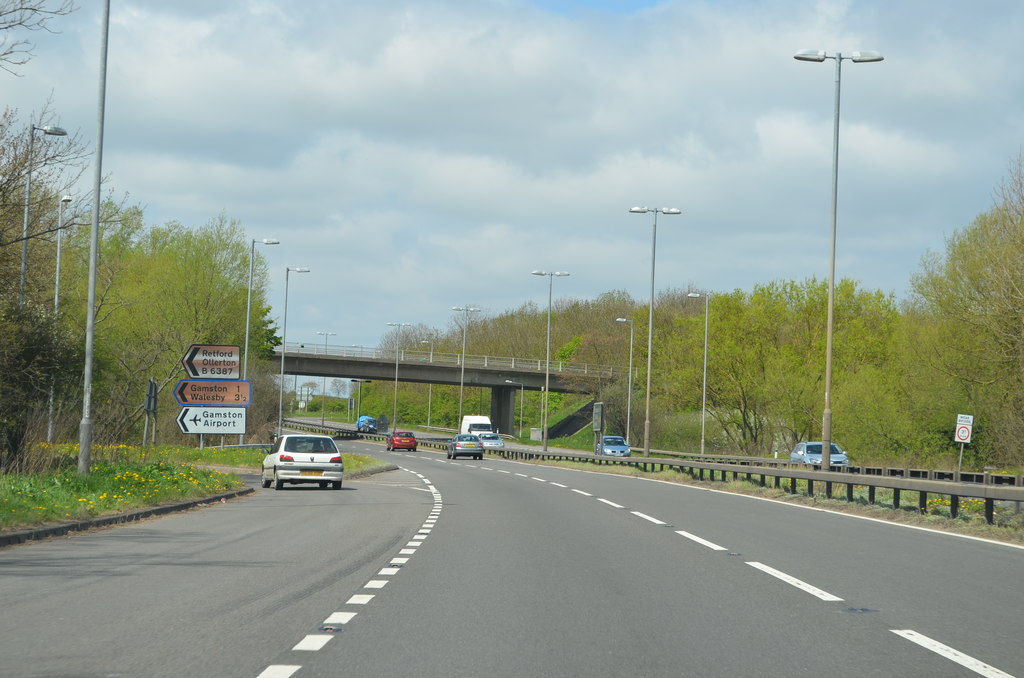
point(124, 478)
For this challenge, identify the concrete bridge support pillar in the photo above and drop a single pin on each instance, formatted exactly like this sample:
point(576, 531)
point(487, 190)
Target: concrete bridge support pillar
point(503, 408)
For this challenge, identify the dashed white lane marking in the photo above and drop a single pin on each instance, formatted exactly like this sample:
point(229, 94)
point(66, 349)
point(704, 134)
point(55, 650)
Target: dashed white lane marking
point(387, 571)
point(399, 561)
point(793, 581)
point(705, 542)
point(312, 643)
point(648, 518)
point(340, 617)
point(557, 484)
point(279, 671)
point(585, 494)
point(522, 475)
point(968, 662)
point(504, 471)
point(538, 479)
point(376, 584)
point(406, 552)
point(360, 599)
point(610, 503)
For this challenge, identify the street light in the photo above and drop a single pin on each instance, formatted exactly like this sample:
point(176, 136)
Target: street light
point(629, 380)
point(284, 346)
point(547, 356)
point(521, 387)
point(430, 386)
point(323, 410)
point(467, 309)
point(819, 56)
point(704, 388)
point(56, 306)
point(650, 317)
point(394, 411)
point(248, 310)
point(52, 131)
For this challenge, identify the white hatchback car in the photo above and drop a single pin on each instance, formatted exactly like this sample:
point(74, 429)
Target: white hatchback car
point(301, 458)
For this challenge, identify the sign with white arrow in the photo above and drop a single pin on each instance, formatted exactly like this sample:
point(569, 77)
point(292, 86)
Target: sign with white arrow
point(213, 361)
point(224, 420)
point(214, 392)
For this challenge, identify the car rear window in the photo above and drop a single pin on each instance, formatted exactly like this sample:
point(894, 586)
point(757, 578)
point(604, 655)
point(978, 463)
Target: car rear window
point(309, 444)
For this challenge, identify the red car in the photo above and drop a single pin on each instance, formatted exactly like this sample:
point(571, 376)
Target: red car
point(402, 440)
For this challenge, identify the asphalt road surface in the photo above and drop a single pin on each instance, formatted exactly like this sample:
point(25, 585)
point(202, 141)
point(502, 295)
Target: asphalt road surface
point(497, 568)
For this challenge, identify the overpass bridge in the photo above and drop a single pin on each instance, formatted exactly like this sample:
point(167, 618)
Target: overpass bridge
point(450, 369)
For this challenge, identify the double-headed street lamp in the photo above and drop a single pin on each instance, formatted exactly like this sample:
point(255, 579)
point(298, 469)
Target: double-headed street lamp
point(467, 309)
point(323, 410)
point(248, 309)
point(629, 379)
point(521, 387)
point(547, 355)
point(650, 316)
point(704, 387)
point(52, 130)
point(284, 346)
point(855, 57)
point(398, 351)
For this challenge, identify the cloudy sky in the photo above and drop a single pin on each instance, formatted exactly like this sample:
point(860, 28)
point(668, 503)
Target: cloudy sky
point(426, 154)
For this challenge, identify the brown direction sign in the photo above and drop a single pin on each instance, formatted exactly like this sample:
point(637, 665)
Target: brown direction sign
point(214, 392)
point(213, 361)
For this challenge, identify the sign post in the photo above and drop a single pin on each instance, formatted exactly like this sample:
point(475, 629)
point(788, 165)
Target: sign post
point(213, 398)
point(964, 425)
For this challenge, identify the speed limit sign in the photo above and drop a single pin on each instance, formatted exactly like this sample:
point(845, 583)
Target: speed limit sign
point(964, 423)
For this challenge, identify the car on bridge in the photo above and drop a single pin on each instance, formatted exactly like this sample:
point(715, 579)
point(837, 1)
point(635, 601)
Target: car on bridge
point(303, 459)
point(366, 424)
point(465, 445)
point(401, 440)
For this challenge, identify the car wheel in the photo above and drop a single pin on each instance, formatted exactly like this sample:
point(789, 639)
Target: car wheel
point(414, 449)
point(336, 485)
point(265, 481)
point(278, 483)
point(323, 485)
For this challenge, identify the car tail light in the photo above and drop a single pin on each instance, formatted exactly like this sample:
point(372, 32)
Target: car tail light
point(287, 457)
point(336, 460)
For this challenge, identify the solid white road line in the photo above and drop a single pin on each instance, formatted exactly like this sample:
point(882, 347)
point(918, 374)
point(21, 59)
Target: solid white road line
point(705, 542)
point(793, 581)
point(979, 667)
point(312, 643)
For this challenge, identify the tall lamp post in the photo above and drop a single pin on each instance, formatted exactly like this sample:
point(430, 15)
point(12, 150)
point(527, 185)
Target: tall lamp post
point(248, 310)
point(650, 317)
point(284, 346)
point(855, 57)
point(629, 379)
point(430, 387)
point(323, 410)
point(56, 307)
point(52, 131)
point(521, 387)
point(467, 309)
point(547, 355)
point(398, 352)
point(704, 387)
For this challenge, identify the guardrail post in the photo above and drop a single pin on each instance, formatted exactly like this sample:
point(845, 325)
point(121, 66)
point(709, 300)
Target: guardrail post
point(922, 501)
point(810, 488)
point(896, 498)
point(990, 509)
point(849, 492)
point(871, 494)
point(954, 506)
point(828, 489)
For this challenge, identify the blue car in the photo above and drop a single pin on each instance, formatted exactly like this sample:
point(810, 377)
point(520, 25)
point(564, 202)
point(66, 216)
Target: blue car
point(614, 446)
point(366, 424)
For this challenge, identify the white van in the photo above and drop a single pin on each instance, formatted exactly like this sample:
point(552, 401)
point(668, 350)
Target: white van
point(474, 423)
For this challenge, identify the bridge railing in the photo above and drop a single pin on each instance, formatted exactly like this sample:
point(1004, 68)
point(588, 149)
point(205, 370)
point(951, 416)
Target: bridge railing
point(438, 358)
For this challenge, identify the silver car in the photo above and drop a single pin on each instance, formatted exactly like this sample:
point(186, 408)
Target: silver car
point(465, 445)
point(303, 459)
point(491, 441)
point(810, 453)
point(614, 446)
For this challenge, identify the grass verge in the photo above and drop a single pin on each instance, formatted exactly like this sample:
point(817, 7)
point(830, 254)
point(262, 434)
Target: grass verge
point(124, 478)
